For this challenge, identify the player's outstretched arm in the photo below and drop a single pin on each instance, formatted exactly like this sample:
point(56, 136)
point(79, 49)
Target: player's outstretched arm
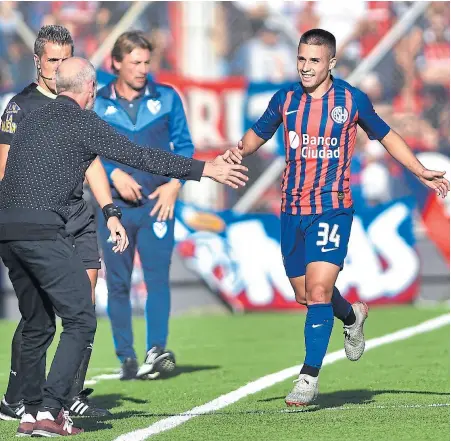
point(247, 145)
point(397, 147)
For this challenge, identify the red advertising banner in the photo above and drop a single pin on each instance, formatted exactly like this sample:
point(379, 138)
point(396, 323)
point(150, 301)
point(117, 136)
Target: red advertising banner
point(214, 110)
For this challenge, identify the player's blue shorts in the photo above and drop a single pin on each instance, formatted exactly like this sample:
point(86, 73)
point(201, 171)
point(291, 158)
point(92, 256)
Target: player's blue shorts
point(314, 238)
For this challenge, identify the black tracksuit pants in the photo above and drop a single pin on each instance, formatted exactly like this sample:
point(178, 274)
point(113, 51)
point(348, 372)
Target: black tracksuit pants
point(48, 276)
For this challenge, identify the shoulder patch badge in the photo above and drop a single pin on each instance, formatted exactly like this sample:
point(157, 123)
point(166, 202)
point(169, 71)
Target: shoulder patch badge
point(12, 107)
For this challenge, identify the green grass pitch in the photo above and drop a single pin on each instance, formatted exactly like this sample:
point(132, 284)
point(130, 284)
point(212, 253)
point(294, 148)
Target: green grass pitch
point(399, 391)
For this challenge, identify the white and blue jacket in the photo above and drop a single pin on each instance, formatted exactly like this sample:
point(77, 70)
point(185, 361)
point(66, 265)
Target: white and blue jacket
point(161, 123)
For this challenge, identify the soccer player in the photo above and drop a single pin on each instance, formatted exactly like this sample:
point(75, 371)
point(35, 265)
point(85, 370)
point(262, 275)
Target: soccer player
point(150, 114)
point(320, 115)
point(53, 45)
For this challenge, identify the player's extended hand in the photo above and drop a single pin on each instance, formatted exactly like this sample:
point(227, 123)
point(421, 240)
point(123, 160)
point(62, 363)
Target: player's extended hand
point(167, 195)
point(435, 180)
point(232, 156)
point(126, 186)
point(118, 236)
point(221, 171)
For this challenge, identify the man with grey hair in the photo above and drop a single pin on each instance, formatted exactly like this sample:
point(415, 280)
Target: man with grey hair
point(53, 45)
point(75, 83)
point(47, 274)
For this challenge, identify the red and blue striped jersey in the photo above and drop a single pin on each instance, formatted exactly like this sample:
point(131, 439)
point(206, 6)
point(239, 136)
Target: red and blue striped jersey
point(319, 137)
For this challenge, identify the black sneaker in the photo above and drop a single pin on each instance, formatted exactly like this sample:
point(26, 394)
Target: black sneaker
point(129, 369)
point(158, 362)
point(80, 406)
point(13, 411)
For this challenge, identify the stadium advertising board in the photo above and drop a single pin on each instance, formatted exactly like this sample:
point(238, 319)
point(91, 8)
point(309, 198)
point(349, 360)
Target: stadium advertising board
point(239, 257)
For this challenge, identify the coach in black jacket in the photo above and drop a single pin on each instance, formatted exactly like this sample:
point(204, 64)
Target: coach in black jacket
point(43, 266)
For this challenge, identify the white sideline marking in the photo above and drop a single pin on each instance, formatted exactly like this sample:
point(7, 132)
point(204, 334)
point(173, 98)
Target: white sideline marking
point(269, 380)
point(96, 378)
point(368, 406)
point(114, 375)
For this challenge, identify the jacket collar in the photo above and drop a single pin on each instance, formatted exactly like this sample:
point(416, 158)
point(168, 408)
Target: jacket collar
point(109, 91)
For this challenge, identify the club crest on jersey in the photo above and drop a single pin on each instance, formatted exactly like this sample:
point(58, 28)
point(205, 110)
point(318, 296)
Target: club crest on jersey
point(154, 106)
point(160, 229)
point(339, 114)
point(12, 108)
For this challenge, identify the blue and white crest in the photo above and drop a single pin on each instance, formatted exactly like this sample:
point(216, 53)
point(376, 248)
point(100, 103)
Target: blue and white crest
point(160, 229)
point(154, 106)
point(339, 114)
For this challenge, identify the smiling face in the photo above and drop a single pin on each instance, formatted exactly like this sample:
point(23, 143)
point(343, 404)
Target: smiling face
point(314, 65)
point(133, 68)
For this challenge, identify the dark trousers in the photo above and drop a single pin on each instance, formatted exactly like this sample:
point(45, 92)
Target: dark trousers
point(48, 276)
point(154, 242)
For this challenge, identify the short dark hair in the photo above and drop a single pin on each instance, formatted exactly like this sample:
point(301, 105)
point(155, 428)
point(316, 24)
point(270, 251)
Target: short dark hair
point(320, 37)
point(52, 34)
point(126, 43)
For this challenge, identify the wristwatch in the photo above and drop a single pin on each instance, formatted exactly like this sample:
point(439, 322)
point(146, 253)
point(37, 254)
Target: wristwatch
point(111, 210)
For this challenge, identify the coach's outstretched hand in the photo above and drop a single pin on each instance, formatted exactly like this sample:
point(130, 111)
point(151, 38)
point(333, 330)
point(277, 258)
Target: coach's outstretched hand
point(435, 180)
point(226, 172)
point(118, 235)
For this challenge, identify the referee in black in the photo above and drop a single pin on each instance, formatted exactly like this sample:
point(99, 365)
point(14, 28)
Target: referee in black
point(47, 274)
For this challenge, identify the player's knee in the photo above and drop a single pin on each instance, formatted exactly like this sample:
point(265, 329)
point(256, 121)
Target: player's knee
point(118, 289)
point(318, 293)
point(301, 297)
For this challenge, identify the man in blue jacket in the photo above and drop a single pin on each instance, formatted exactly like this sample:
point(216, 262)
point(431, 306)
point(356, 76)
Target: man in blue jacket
point(149, 114)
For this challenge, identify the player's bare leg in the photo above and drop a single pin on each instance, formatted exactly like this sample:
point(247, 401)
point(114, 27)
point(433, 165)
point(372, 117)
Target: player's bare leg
point(298, 285)
point(320, 279)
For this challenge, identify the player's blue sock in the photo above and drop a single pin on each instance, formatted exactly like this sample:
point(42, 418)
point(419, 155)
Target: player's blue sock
point(341, 306)
point(318, 327)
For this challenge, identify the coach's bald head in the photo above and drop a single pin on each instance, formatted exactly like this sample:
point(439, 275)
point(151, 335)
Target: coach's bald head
point(76, 78)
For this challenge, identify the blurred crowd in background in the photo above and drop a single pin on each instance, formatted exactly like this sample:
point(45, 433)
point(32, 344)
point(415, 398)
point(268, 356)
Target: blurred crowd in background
point(258, 40)
point(250, 49)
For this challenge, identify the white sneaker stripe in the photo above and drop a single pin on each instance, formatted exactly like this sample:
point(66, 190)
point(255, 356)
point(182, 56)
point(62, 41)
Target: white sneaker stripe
point(79, 407)
point(75, 405)
point(84, 410)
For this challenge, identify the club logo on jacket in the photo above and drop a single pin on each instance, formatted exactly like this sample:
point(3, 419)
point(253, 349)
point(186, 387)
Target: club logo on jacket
point(160, 229)
point(339, 114)
point(154, 106)
point(110, 110)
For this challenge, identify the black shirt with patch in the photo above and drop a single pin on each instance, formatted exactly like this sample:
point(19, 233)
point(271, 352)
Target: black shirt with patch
point(50, 153)
point(18, 108)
